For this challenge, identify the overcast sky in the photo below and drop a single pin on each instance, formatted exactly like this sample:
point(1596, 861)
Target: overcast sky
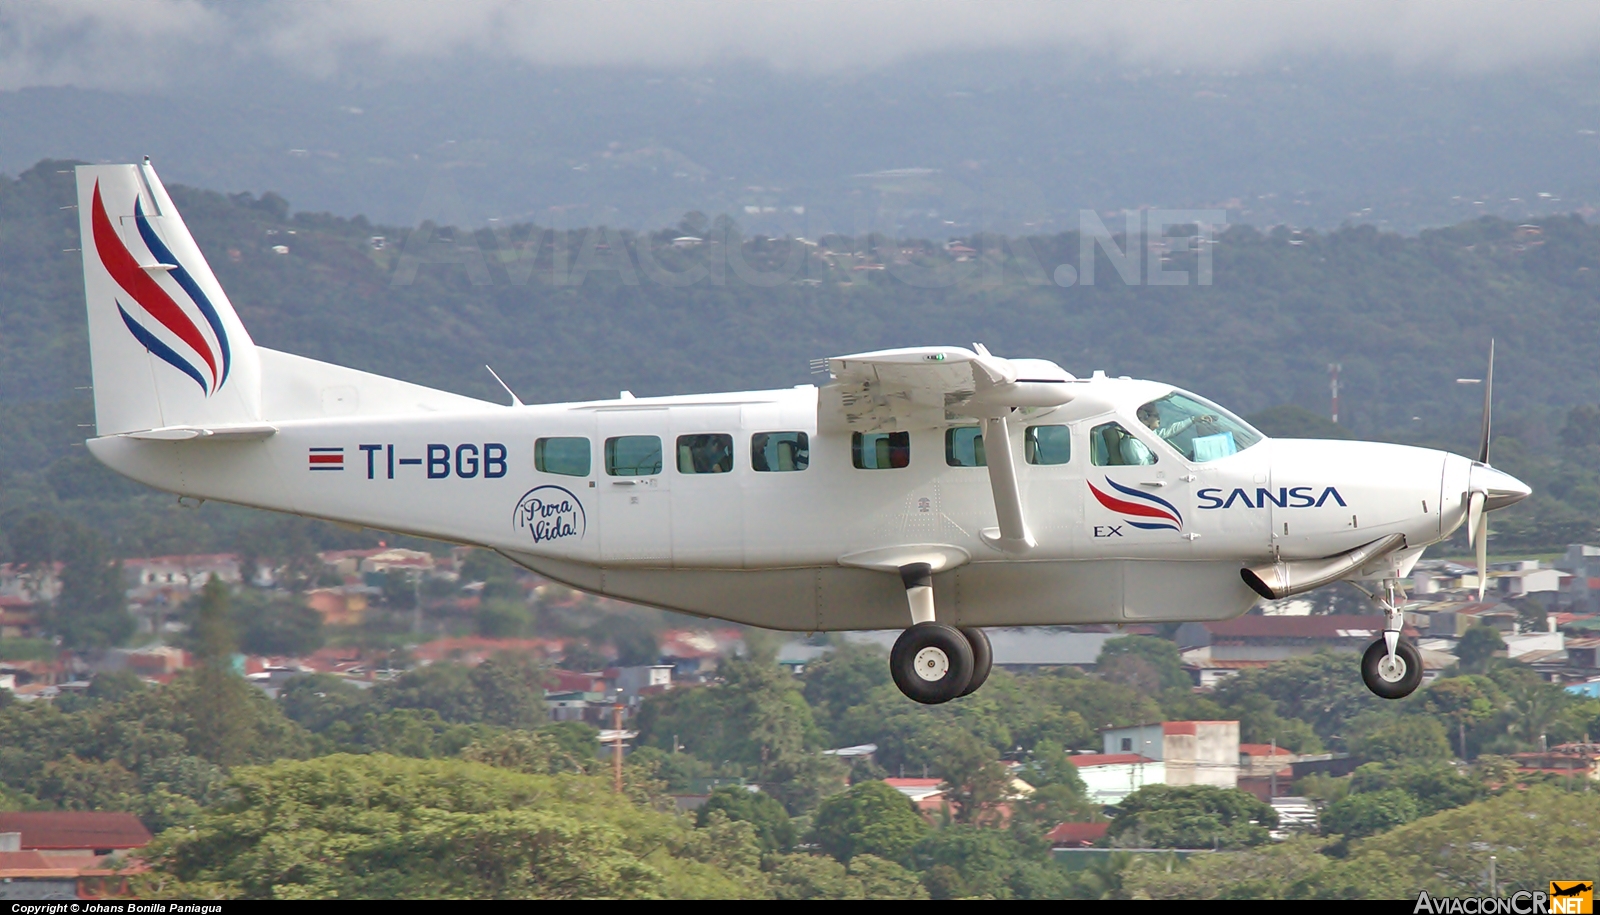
point(155, 43)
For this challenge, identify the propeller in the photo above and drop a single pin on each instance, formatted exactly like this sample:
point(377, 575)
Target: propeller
point(1477, 516)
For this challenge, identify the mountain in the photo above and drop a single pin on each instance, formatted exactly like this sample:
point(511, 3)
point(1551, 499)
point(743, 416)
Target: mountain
point(937, 146)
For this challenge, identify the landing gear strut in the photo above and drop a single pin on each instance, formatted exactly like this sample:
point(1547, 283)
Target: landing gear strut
point(1391, 667)
point(932, 662)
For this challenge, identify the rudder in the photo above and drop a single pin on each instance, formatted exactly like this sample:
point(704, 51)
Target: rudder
point(165, 344)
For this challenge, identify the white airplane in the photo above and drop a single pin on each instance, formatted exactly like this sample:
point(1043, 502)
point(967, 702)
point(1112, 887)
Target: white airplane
point(939, 489)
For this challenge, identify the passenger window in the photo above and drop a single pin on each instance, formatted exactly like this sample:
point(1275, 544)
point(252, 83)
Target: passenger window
point(1047, 444)
point(705, 453)
point(633, 456)
point(880, 450)
point(566, 456)
point(778, 452)
point(963, 446)
point(1112, 446)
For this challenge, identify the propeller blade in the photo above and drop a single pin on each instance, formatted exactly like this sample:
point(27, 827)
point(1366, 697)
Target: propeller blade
point(1475, 514)
point(1488, 400)
point(1483, 552)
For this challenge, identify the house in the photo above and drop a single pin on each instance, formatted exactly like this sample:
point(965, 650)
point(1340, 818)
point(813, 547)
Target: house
point(1278, 638)
point(1193, 752)
point(1110, 777)
point(19, 618)
point(1018, 649)
point(338, 606)
point(1265, 770)
point(1569, 760)
point(1582, 562)
point(632, 684)
point(34, 876)
point(61, 833)
point(189, 572)
point(1077, 835)
point(926, 794)
point(154, 661)
point(397, 560)
point(1525, 577)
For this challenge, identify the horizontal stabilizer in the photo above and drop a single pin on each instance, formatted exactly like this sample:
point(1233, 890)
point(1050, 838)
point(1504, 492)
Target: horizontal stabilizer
point(242, 432)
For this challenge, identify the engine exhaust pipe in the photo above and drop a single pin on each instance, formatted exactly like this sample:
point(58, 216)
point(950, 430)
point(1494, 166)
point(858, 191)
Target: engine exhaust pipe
point(1277, 580)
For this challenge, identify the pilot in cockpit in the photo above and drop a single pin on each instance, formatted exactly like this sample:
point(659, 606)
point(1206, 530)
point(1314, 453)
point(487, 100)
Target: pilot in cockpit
point(1137, 452)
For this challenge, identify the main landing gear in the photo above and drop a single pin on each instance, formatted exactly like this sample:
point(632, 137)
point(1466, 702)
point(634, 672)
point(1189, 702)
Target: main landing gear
point(933, 662)
point(1391, 667)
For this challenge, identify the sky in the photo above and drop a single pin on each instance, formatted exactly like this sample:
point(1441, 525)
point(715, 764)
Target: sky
point(157, 44)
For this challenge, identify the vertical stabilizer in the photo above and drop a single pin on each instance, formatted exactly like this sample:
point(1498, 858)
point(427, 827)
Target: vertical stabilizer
point(165, 344)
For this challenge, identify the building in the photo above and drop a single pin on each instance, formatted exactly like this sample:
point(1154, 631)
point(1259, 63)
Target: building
point(1110, 777)
point(75, 833)
point(1265, 770)
point(338, 606)
point(1582, 562)
point(1569, 760)
point(1033, 648)
point(1077, 835)
point(1278, 638)
point(181, 572)
point(1192, 752)
point(19, 618)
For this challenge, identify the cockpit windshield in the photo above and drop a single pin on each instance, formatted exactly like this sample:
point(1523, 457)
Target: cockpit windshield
point(1201, 431)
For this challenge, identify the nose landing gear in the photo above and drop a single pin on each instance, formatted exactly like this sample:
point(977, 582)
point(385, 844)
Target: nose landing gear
point(932, 662)
point(1391, 667)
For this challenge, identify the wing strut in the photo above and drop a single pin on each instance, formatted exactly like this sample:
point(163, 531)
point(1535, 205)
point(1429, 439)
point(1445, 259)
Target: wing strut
point(1012, 536)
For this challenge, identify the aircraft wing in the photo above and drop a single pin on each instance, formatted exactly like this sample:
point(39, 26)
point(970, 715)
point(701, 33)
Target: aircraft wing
point(896, 390)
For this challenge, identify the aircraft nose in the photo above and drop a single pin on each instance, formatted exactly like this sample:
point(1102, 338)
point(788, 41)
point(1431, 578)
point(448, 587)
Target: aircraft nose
point(1500, 489)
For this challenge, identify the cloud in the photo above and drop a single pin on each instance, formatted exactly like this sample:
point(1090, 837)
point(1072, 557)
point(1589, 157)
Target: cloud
point(114, 45)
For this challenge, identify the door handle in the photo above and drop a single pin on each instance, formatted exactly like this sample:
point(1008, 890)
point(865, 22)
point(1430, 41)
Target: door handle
point(1152, 482)
point(624, 482)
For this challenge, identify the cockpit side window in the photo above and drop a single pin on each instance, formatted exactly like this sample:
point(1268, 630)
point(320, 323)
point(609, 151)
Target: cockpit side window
point(1200, 431)
point(963, 447)
point(1110, 445)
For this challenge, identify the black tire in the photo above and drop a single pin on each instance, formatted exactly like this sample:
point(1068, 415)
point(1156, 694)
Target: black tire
point(944, 655)
point(1385, 687)
point(982, 658)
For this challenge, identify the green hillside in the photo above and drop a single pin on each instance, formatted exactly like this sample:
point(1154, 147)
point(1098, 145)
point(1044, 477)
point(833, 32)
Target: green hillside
point(1405, 316)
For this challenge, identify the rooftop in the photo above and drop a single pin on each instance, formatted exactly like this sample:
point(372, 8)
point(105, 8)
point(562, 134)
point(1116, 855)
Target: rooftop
point(71, 830)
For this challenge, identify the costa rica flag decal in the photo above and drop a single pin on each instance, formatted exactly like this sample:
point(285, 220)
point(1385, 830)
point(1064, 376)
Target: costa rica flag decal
point(327, 459)
point(1142, 510)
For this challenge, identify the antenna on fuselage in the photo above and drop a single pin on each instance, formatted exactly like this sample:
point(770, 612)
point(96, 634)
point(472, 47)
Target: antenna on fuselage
point(515, 400)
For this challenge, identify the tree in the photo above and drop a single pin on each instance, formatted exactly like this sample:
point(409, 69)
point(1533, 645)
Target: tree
point(838, 680)
point(1409, 738)
point(974, 780)
point(91, 610)
point(219, 697)
point(275, 626)
point(1369, 813)
point(1191, 816)
point(1478, 646)
point(1281, 870)
point(353, 827)
point(1533, 834)
point(962, 861)
point(774, 830)
point(1144, 662)
point(1324, 690)
point(870, 818)
point(1435, 786)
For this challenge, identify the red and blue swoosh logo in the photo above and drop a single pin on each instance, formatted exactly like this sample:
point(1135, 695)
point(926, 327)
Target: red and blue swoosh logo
point(1144, 511)
point(206, 362)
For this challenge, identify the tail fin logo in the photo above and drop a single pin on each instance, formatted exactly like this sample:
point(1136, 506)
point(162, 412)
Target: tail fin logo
point(1150, 513)
point(153, 313)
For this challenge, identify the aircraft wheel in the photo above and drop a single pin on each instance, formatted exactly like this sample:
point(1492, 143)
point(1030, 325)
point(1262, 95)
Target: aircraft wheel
point(982, 657)
point(1394, 680)
point(931, 663)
